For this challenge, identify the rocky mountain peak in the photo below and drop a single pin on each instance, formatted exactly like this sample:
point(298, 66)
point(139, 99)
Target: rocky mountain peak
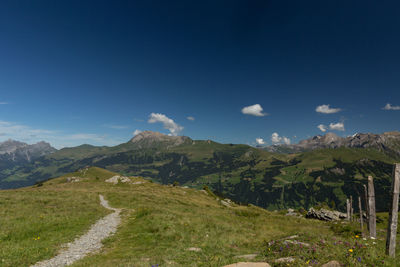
point(330, 138)
point(10, 146)
point(12, 150)
point(147, 138)
point(148, 135)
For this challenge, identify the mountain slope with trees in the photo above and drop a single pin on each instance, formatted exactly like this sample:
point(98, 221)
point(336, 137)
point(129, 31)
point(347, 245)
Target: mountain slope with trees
point(240, 172)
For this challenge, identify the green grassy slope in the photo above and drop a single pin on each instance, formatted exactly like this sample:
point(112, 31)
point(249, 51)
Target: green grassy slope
point(241, 172)
point(160, 223)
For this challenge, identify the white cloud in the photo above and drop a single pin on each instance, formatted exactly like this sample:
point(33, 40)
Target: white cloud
point(255, 110)
point(339, 126)
point(260, 141)
point(190, 118)
point(136, 132)
point(322, 127)
point(3, 103)
point(390, 107)
point(286, 140)
point(168, 123)
point(326, 109)
point(276, 139)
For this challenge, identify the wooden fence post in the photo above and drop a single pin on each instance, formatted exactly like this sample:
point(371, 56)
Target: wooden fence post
point(371, 208)
point(351, 208)
point(361, 216)
point(393, 213)
point(366, 205)
point(348, 209)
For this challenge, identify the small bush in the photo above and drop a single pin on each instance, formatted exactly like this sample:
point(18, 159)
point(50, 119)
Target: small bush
point(345, 229)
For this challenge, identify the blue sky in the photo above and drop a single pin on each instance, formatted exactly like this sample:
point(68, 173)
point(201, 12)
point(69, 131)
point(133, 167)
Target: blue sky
point(74, 72)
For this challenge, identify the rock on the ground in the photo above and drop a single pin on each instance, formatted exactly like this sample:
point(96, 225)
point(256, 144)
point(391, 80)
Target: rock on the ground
point(325, 215)
point(73, 179)
point(248, 264)
point(226, 204)
point(295, 242)
point(194, 249)
point(292, 212)
point(115, 179)
point(138, 182)
point(331, 264)
point(284, 260)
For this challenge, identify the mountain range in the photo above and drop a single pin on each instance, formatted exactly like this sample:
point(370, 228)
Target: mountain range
point(388, 143)
point(323, 169)
point(14, 153)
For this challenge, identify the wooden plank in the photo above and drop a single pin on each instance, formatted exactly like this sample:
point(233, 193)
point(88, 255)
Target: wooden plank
point(393, 212)
point(371, 207)
point(366, 205)
point(351, 208)
point(361, 216)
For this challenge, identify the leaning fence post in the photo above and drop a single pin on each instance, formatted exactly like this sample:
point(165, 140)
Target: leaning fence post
point(361, 216)
point(393, 212)
point(371, 208)
point(348, 209)
point(366, 205)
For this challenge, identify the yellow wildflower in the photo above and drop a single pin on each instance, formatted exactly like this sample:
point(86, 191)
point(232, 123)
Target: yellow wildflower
point(350, 250)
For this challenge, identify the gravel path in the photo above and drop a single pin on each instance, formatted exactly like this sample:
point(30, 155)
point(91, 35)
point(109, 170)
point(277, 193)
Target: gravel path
point(89, 242)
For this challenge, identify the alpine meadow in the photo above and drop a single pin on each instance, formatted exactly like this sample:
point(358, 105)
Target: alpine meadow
point(225, 133)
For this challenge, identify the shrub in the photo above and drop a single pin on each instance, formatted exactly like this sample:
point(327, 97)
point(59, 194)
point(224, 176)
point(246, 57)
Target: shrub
point(345, 229)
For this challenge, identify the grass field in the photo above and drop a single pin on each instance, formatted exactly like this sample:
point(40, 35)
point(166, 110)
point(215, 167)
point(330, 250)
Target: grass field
point(160, 223)
point(35, 223)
